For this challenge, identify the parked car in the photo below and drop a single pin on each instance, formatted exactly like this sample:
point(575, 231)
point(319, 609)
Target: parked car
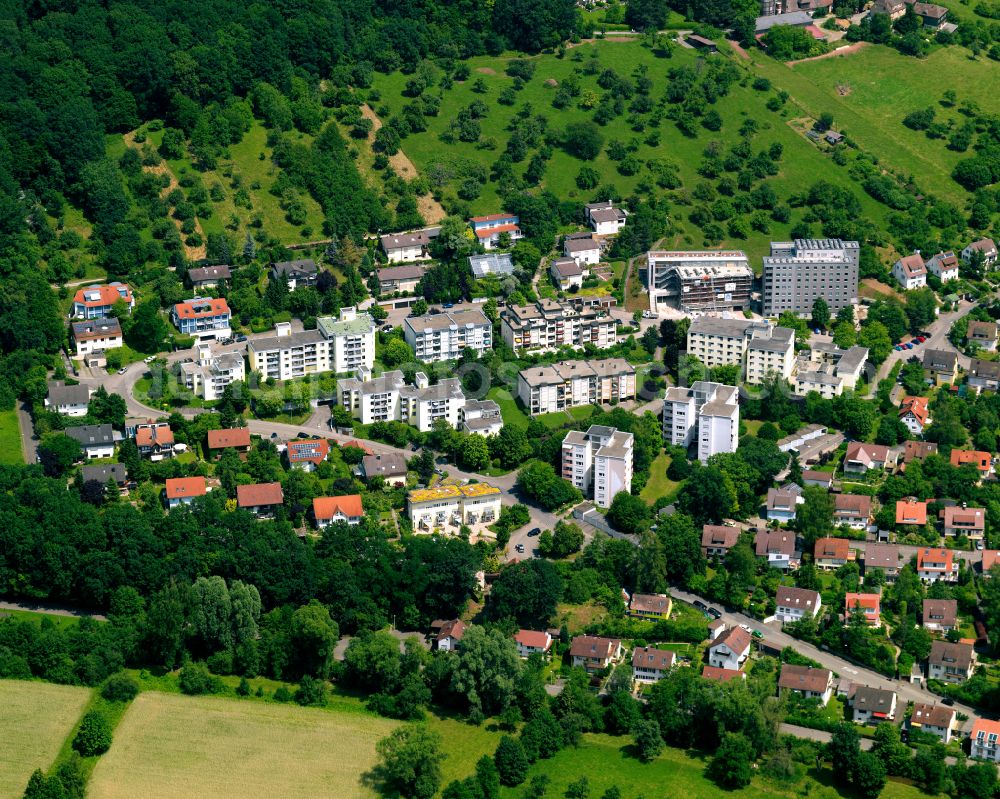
point(149, 359)
point(241, 337)
point(715, 613)
point(921, 339)
point(898, 347)
point(909, 345)
point(700, 605)
point(447, 305)
point(648, 315)
point(519, 548)
point(534, 531)
point(123, 370)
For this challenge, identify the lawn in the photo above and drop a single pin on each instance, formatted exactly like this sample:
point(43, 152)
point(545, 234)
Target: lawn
point(870, 91)
point(802, 164)
point(172, 745)
point(659, 485)
point(605, 762)
point(35, 718)
point(10, 439)
point(509, 409)
point(169, 745)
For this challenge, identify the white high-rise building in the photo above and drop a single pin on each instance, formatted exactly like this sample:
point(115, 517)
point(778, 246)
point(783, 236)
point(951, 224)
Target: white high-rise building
point(598, 462)
point(443, 336)
point(798, 272)
point(547, 389)
point(336, 345)
point(209, 375)
point(756, 346)
point(708, 413)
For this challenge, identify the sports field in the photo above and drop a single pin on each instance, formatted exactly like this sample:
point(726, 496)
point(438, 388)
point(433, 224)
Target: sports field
point(35, 718)
point(169, 745)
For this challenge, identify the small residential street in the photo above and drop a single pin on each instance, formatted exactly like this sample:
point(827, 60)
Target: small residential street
point(775, 637)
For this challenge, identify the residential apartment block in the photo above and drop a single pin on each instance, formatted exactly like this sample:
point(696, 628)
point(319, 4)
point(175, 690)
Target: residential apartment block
point(210, 373)
point(708, 413)
point(934, 563)
point(829, 370)
point(388, 398)
point(598, 462)
point(757, 347)
point(336, 345)
point(443, 336)
point(203, 318)
point(798, 272)
point(432, 509)
point(985, 739)
point(546, 389)
point(698, 280)
point(548, 325)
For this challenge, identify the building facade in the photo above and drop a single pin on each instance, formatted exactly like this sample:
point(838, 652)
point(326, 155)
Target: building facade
point(798, 272)
point(444, 336)
point(698, 280)
point(708, 413)
point(432, 510)
point(210, 373)
point(94, 337)
point(549, 325)
point(389, 398)
point(598, 462)
point(488, 229)
point(547, 389)
point(97, 302)
point(336, 345)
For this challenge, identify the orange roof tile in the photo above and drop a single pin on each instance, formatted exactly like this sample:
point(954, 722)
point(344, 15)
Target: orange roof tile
point(235, 437)
point(327, 507)
point(180, 487)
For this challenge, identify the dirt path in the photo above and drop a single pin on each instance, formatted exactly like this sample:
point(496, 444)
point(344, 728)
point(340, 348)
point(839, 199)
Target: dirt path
point(738, 49)
point(191, 253)
point(840, 51)
point(430, 209)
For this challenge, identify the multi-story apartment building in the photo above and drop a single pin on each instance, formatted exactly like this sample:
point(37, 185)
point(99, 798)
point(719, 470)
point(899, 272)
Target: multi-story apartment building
point(759, 348)
point(699, 280)
point(336, 345)
point(829, 370)
point(598, 462)
point(434, 509)
point(443, 336)
point(203, 318)
point(798, 272)
point(546, 389)
point(708, 413)
point(389, 399)
point(934, 563)
point(210, 373)
point(770, 353)
point(548, 325)
point(94, 337)
point(985, 738)
point(96, 302)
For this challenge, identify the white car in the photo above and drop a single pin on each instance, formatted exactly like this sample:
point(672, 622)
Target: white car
point(123, 370)
point(149, 359)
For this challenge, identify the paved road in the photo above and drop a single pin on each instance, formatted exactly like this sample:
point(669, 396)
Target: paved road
point(817, 735)
point(774, 636)
point(29, 444)
point(938, 340)
point(51, 610)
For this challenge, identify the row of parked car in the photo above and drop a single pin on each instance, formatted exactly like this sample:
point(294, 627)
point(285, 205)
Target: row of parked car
point(909, 345)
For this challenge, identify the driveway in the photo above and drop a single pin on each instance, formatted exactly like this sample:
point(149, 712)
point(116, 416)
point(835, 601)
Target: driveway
point(775, 637)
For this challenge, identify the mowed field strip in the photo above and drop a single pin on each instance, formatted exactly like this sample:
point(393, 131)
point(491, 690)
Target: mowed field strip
point(35, 718)
point(169, 746)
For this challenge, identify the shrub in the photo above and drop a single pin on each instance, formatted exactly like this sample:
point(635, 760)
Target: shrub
point(195, 679)
point(94, 736)
point(120, 688)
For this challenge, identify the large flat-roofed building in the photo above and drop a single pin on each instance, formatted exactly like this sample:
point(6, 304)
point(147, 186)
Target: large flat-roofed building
point(598, 462)
point(546, 389)
point(699, 279)
point(336, 345)
point(759, 348)
point(435, 509)
point(443, 336)
point(389, 398)
point(708, 413)
point(829, 370)
point(798, 272)
point(548, 325)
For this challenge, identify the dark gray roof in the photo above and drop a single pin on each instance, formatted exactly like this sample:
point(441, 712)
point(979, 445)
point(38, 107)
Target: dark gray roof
point(389, 465)
point(408, 272)
point(92, 434)
point(200, 273)
point(96, 328)
point(303, 266)
point(102, 473)
point(61, 394)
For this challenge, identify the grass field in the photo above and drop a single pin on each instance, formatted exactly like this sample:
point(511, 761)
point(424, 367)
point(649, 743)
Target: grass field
point(870, 91)
point(35, 718)
point(509, 409)
point(659, 485)
point(803, 163)
point(604, 760)
point(10, 439)
point(170, 745)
